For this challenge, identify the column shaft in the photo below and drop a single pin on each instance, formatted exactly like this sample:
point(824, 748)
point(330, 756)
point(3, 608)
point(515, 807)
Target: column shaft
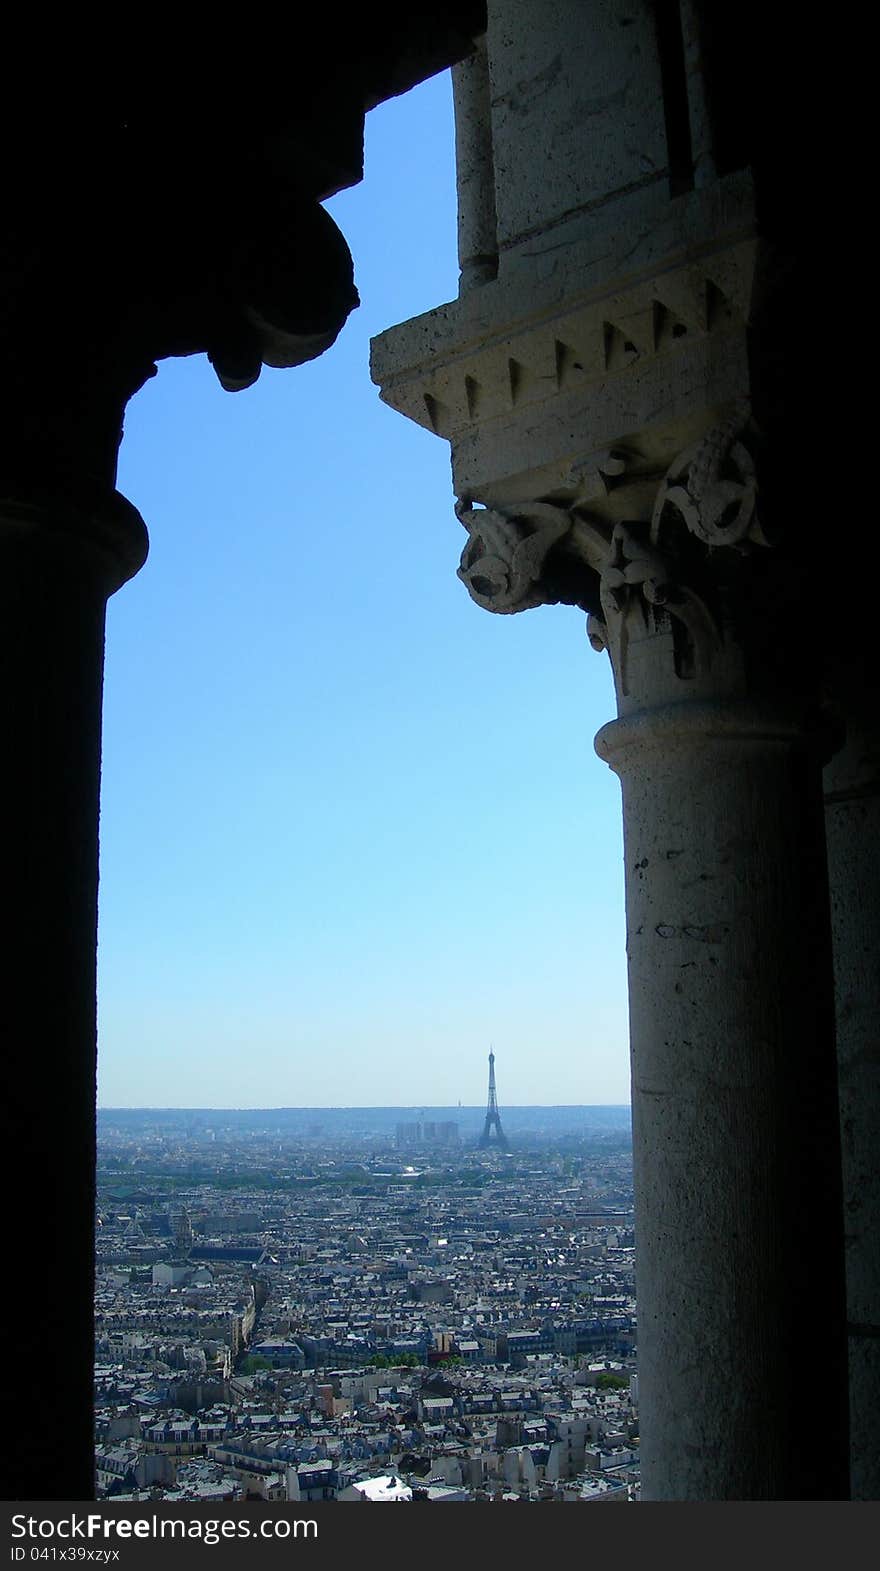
point(54, 589)
point(477, 221)
point(852, 818)
point(738, 1226)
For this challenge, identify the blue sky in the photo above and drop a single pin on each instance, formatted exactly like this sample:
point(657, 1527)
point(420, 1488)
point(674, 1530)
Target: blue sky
point(353, 829)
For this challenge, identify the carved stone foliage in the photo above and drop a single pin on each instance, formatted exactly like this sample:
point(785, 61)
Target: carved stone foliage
point(713, 488)
point(640, 582)
point(503, 561)
point(670, 572)
point(677, 572)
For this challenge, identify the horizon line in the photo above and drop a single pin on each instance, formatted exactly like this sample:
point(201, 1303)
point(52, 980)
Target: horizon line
point(331, 1107)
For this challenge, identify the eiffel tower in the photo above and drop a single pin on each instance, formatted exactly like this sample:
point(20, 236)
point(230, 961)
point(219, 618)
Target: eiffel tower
point(493, 1117)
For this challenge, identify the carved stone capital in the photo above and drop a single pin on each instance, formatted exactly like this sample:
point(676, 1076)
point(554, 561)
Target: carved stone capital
point(672, 583)
point(92, 532)
point(680, 578)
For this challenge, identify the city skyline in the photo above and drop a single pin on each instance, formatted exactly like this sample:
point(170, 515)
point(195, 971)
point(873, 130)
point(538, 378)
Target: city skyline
point(305, 1318)
point(605, 1110)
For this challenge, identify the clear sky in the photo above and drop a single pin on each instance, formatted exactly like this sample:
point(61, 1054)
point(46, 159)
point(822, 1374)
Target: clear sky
point(353, 829)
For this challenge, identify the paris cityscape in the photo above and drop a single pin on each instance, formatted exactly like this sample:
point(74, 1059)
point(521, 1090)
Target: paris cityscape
point(349, 1304)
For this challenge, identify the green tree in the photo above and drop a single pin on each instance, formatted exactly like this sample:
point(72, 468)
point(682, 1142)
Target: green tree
point(253, 1363)
point(609, 1382)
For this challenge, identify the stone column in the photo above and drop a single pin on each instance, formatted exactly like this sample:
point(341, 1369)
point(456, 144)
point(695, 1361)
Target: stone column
point(243, 263)
point(852, 818)
point(650, 299)
point(739, 1249)
point(62, 555)
point(734, 1103)
point(475, 164)
point(698, 109)
point(736, 1150)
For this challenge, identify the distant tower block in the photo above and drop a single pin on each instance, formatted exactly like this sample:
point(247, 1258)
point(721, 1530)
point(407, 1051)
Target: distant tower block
point(182, 1233)
point(493, 1134)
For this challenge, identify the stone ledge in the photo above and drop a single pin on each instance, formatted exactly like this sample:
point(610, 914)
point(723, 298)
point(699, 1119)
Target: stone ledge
point(513, 343)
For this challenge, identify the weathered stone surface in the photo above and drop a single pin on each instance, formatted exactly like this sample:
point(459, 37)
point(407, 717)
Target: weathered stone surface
point(733, 1087)
point(852, 827)
point(577, 111)
point(637, 350)
point(699, 242)
point(477, 218)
